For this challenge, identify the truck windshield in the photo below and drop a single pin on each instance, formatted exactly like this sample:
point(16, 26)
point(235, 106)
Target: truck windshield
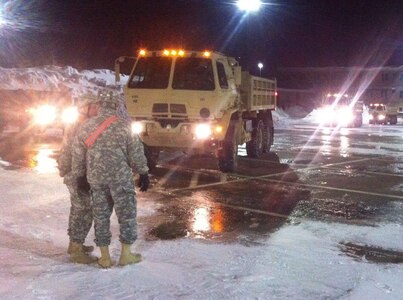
point(151, 73)
point(192, 73)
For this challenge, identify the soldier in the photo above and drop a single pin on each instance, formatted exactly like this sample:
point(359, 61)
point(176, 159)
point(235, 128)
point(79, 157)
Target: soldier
point(80, 218)
point(108, 153)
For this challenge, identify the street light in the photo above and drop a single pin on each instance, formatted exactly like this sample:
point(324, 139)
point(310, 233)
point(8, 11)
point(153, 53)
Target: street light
point(260, 66)
point(249, 5)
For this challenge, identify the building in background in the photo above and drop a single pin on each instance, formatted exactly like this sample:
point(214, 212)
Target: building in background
point(307, 87)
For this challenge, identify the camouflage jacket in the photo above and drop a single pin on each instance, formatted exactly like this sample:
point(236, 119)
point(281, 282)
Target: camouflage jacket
point(113, 157)
point(64, 160)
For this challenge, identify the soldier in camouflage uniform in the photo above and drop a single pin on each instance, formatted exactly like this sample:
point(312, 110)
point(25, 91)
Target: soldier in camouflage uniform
point(108, 153)
point(80, 218)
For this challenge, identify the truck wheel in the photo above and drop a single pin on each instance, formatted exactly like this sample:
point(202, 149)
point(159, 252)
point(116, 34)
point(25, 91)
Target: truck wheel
point(227, 156)
point(254, 148)
point(393, 120)
point(152, 155)
point(228, 161)
point(268, 130)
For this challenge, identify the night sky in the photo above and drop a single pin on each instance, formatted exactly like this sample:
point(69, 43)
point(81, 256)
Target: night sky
point(299, 33)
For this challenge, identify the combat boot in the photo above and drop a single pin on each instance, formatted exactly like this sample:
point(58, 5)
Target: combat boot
point(105, 260)
point(86, 249)
point(77, 254)
point(127, 258)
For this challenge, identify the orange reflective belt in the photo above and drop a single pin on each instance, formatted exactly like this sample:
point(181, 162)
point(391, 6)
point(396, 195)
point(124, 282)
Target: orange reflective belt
point(89, 142)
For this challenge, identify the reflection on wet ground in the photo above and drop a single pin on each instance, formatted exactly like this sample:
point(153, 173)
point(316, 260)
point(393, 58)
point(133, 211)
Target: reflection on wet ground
point(231, 207)
point(26, 152)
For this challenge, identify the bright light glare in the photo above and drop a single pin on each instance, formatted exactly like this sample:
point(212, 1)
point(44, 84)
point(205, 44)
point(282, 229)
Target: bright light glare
point(345, 116)
point(70, 115)
point(44, 115)
point(137, 127)
point(325, 115)
point(249, 5)
point(44, 162)
point(203, 131)
point(260, 65)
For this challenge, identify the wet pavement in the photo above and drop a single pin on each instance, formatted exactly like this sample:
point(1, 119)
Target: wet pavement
point(352, 176)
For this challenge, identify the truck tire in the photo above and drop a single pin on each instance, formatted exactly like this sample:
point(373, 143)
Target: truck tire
point(393, 120)
point(254, 148)
point(227, 155)
point(152, 155)
point(268, 130)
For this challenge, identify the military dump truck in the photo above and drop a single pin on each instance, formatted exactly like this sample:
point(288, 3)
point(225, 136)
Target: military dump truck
point(199, 102)
point(340, 110)
point(380, 113)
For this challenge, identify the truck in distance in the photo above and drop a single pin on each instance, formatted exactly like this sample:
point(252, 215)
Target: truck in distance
point(340, 109)
point(380, 113)
point(198, 102)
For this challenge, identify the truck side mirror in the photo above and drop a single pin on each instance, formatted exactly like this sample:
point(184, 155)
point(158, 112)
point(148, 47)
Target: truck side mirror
point(237, 75)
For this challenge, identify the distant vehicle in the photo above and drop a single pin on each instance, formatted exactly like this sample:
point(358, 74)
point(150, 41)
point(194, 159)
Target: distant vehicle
point(380, 113)
point(199, 102)
point(340, 110)
point(32, 112)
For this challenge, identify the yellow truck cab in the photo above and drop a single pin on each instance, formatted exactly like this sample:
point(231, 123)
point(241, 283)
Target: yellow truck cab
point(198, 102)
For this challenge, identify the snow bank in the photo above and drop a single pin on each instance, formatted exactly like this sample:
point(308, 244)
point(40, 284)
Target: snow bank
point(54, 78)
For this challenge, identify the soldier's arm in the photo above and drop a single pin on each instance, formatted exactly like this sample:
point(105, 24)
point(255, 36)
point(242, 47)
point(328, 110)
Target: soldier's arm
point(78, 164)
point(135, 149)
point(64, 160)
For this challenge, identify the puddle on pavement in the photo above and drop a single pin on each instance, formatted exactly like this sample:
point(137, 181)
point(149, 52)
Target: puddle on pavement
point(233, 213)
point(23, 152)
point(371, 253)
point(170, 230)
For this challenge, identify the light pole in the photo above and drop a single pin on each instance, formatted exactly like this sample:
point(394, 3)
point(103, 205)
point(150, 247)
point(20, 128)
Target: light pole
point(247, 7)
point(260, 66)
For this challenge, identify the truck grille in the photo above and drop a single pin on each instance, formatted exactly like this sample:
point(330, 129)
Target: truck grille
point(160, 110)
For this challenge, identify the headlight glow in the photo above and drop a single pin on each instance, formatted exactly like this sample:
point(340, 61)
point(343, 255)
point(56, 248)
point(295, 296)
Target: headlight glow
point(70, 115)
point(44, 115)
point(202, 131)
point(137, 127)
point(325, 115)
point(381, 117)
point(345, 115)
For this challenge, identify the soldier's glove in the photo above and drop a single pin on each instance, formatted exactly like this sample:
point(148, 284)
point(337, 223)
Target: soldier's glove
point(144, 182)
point(82, 184)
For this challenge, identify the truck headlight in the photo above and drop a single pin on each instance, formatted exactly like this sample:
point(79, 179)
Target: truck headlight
point(69, 115)
point(202, 131)
point(371, 117)
point(345, 115)
point(325, 115)
point(381, 117)
point(137, 127)
point(44, 115)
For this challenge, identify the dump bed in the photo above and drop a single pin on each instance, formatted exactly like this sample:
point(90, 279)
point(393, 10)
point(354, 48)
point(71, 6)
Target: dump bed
point(258, 93)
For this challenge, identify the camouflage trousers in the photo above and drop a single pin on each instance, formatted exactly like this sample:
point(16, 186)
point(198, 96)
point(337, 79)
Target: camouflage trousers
point(120, 196)
point(80, 219)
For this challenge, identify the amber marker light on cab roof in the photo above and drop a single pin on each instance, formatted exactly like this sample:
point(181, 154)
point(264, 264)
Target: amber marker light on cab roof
point(173, 52)
point(181, 53)
point(142, 52)
point(206, 54)
point(166, 52)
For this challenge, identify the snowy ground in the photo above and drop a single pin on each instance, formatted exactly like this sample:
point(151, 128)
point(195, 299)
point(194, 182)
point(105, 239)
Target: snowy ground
point(302, 260)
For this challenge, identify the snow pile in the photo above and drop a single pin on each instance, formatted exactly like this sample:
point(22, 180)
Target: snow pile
point(54, 78)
